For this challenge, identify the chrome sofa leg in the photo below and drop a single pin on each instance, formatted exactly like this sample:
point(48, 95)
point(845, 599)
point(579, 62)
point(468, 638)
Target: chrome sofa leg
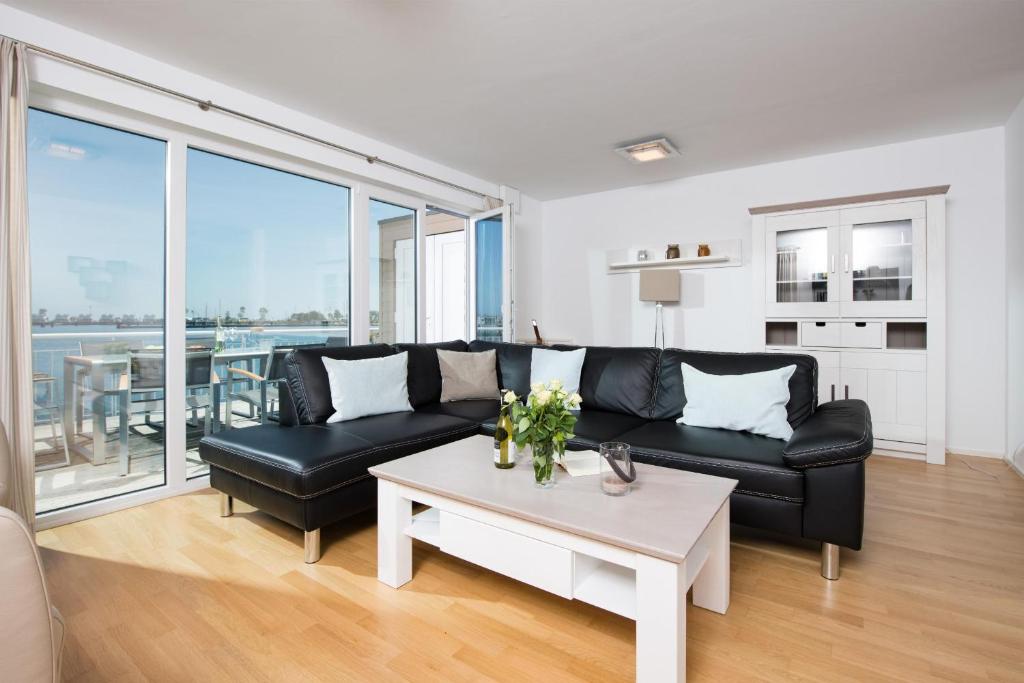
point(227, 505)
point(312, 546)
point(830, 561)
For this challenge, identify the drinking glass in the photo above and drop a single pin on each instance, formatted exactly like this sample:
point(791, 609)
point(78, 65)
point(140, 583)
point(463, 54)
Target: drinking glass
point(617, 471)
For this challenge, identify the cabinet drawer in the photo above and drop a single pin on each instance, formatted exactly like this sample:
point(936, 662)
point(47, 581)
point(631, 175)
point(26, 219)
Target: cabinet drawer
point(525, 559)
point(820, 333)
point(862, 335)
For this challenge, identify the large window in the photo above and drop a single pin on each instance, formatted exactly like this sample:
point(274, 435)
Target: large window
point(97, 223)
point(267, 270)
point(392, 241)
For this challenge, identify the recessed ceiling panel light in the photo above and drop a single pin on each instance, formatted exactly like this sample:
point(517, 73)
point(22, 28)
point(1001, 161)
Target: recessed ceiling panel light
point(648, 150)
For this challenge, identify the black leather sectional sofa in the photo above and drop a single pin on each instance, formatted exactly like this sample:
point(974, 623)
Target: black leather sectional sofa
point(311, 474)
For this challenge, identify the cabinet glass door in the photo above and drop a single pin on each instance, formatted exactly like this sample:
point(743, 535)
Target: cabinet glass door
point(883, 261)
point(801, 258)
point(801, 266)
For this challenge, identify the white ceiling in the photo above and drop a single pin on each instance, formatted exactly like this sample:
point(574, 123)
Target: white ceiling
point(537, 93)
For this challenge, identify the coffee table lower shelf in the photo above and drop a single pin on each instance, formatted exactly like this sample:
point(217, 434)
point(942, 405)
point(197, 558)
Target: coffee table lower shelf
point(650, 590)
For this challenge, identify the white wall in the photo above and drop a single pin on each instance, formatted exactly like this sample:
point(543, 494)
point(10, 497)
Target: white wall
point(1015, 286)
point(527, 245)
point(582, 302)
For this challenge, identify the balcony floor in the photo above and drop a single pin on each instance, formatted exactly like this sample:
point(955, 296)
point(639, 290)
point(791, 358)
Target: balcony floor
point(82, 482)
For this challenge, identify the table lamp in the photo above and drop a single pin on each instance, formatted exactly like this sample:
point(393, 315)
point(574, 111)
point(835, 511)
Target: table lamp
point(661, 287)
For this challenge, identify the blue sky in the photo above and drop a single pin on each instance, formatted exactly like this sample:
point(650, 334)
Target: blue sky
point(96, 218)
point(257, 237)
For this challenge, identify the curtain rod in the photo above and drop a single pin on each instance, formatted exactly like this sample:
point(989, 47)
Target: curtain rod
point(210, 105)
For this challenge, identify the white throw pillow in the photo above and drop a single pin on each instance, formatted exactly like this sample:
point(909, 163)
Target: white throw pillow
point(371, 386)
point(567, 366)
point(754, 402)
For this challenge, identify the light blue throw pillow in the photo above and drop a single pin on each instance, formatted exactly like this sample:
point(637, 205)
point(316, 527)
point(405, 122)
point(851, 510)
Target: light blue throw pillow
point(754, 402)
point(567, 366)
point(371, 386)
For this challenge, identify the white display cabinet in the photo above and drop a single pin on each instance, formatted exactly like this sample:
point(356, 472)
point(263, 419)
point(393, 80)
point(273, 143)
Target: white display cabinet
point(859, 283)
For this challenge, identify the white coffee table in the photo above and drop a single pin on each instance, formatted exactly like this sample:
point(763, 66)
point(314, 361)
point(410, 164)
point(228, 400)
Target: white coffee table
point(636, 555)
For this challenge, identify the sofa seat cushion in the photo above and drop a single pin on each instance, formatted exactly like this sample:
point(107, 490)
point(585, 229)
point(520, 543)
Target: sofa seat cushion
point(474, 410)
point(309, 460)
point(755, 461)
point(596, 426)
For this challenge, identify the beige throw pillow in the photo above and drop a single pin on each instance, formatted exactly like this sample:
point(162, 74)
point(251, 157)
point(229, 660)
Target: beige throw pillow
point(467, 375)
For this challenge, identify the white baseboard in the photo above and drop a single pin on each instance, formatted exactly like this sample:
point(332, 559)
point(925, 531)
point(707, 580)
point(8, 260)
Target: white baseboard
point(955, 450)
point(892, 453)
point(1018, 468)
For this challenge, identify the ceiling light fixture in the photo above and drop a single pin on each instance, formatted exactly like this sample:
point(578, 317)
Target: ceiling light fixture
point(648, 150)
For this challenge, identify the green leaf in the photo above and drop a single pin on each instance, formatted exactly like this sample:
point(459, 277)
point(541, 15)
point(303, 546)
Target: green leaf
point(524, 424)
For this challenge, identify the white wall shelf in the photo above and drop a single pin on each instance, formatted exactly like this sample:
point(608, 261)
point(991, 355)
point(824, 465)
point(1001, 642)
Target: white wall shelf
point(724, 253)
point(681, 262)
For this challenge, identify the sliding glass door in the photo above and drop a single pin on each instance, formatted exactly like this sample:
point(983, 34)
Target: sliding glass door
point(267, 271)
point(97, 229)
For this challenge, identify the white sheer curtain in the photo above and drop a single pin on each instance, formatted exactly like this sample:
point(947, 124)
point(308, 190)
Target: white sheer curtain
point(16, 411)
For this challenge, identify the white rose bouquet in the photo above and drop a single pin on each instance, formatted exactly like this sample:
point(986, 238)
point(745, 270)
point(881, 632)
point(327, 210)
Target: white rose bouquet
point(545, 421)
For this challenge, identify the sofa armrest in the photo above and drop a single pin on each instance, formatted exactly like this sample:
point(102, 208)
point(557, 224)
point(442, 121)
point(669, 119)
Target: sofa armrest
point(837, 432)
point(29, 645)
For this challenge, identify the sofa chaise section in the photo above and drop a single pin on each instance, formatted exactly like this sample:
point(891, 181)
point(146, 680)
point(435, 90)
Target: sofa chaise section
point(309, 473)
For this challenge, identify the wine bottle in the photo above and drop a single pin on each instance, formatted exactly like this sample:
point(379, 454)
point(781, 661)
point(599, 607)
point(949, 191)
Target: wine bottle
point(504, 456)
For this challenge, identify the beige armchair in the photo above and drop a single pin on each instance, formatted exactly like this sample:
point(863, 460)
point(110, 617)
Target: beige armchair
point(31, 629)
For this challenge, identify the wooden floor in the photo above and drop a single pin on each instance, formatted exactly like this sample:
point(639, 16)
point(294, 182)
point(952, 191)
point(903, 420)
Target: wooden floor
point(172, 592)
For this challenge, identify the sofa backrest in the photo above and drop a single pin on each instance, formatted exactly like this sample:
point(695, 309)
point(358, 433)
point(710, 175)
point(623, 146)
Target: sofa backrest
point(425, 370)
point(513, 363)
point(618, 379)
point(640, 381)
point(307, 377)
point(670, 395)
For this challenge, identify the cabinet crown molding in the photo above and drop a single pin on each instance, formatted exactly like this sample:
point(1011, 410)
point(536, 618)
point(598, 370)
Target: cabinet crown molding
point(852, 199)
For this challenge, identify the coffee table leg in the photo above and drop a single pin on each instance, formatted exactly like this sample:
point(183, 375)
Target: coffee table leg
point(711, 585)
point(660, 620)
point(394, 548)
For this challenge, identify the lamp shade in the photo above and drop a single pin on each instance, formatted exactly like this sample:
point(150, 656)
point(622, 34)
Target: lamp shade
point(659, 286)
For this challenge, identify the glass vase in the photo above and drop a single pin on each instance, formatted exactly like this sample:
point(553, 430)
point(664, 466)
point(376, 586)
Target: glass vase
point(544, 464)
